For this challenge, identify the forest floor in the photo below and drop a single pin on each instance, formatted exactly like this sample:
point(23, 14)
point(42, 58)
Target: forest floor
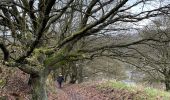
point(84, 91)
point(80, 92)
point(16, 88)
point(68, 92)
point(89, 91)
point(107, 91)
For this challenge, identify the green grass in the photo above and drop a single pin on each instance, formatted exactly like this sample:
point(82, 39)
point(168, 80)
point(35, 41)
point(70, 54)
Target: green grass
point(152, 93)
point(142, 93)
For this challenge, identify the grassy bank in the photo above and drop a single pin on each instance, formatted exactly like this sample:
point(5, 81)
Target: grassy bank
point(137, 92)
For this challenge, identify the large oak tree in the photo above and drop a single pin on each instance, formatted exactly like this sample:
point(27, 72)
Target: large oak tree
point(30, 39)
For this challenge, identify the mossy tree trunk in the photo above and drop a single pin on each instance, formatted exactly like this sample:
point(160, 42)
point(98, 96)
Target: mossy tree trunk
point(80, 74)
point(38, 85)
point(167, 82)
point(38, 80)
point(167, 86)
point(73, 73)
point(39, 88)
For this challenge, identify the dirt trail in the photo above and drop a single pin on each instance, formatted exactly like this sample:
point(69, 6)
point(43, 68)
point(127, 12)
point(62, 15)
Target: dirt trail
point(67, 93)
point(60, 95)
point(90, 92)
point(79, 92)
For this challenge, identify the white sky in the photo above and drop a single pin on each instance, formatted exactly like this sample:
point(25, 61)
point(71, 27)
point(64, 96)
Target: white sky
point(152, 4)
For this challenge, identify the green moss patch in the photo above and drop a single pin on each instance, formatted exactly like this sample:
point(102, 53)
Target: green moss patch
point(2, 83)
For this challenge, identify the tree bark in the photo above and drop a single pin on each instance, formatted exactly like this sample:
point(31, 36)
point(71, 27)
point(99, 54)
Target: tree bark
point(80, 74)
point(167, 83)
point(167, 86)
point(38, 84)
point(73, 79)
point(73, 74)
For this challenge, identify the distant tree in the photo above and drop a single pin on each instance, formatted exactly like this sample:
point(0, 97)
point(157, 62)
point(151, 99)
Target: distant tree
point(104, 68)
point(152, 58)
point(30, 39)
point(158, 59)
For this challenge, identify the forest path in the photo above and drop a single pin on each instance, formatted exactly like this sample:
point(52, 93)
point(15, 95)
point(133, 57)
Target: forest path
point(79, 92)
point(92, 92)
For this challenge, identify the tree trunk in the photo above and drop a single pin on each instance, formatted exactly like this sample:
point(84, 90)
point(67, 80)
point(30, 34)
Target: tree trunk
point(80, 74)
point(73, 74)
point(73, 79)
point(38, 84)
point(167, 82)
point(167, 85)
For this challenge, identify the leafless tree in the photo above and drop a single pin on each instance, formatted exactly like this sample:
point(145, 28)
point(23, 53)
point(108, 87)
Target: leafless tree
point(152, 57)
point(32, 42)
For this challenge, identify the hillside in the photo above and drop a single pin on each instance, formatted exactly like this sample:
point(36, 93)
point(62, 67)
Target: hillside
point(15, 88)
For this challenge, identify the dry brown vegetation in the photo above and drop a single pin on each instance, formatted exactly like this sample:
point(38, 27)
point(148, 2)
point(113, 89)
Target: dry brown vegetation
point(15, 87)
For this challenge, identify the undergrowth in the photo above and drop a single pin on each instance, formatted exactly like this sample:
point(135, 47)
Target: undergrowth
point(140, 92)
